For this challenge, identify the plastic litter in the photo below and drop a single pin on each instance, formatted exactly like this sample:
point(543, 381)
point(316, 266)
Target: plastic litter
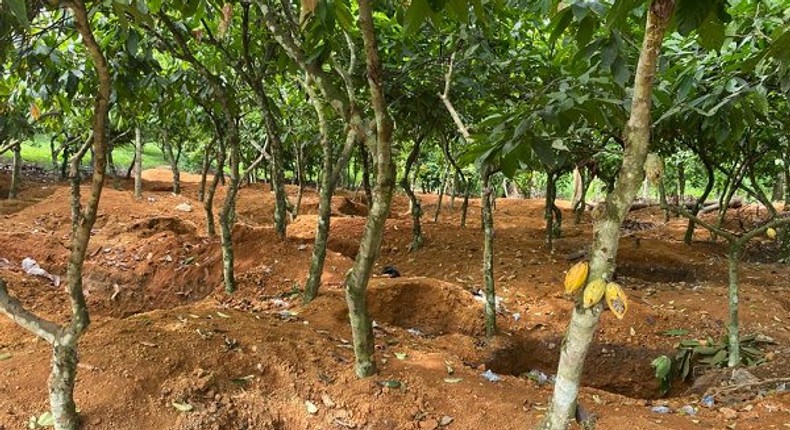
point(31, 267)
point(660, 409)
point(539, 377)
point(708, 401)
point(517, 316)
point(687, 410)
point(414, 331)
point(491, 376)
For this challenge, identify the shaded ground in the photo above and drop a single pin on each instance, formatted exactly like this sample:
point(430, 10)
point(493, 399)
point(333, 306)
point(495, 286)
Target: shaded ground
point(164, 332)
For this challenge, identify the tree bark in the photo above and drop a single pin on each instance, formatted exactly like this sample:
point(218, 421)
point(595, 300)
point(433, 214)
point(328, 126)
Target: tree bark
point(13, 192)
point(365, 160)
point(416, 207)
point(357, 280)
point(488, 253)
point(276, 164)
point(204, 172)
point(606, 231)
point(732, 302)
point(208, 202)
point(227, 216)
point(689, 236)
point(786, 171)
point(441, 193)
point(138, 163)
point(299, 153)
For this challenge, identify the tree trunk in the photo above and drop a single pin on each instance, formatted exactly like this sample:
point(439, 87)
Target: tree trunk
point(227, 216)
point(299, 152)
point(578, 187)
point(13, 192)
point(278, 179)
point(208, 202)
point(681, 181)
point(488, 253)
point(786, 171)
point(64, 166)
point(689, 236)
point(111, 163)
point(779, 188)
point(581, 205)
point(441, 193)
point(465, 204)
point(732, 293)
point(552, 213)
point(204, 172)
point(138, 164)
point(416, 207)
point(606, 232)
point(173, 159)
point(357, 280)
point(61, 385)
point(363, 156)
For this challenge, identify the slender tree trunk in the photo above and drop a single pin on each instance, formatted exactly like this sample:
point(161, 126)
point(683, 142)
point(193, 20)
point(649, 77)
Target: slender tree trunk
point(13, 192)
point(689, 236)
point(779, 189)
point(416, 207)
point(681, 181)
point(582, 203)
point(204, 172)
point(465, 204)
point(278, 179)
point(173, 159)
point(111, 170)
point(441, 193)
point(550, 209)
point(732, 292)
point(138, 163)
point(488, 253)
point(322, 229)
point(786, 171)
point(227, 216)
point(357, 280)
point(299, 152)
point(64, 166)
point(606, 231)
point(363, 156)
point(208, 202)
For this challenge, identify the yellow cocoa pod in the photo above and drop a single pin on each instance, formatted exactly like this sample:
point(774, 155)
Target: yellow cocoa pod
point(576, 277)
point(593, 292)
point(771, 233)
point(616, 299)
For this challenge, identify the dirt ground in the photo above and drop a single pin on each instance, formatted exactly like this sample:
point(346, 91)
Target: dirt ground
point(164, 335)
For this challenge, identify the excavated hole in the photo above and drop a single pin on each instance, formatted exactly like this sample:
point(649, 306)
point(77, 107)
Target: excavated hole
point(651, 272)
point(623, 370)
point(429, 305)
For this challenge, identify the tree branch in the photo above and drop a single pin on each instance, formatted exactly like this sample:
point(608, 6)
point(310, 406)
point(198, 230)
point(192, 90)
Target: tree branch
point(449, 105)
point(31, 322)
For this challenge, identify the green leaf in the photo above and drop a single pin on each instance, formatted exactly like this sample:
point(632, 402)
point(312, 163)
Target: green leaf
point(5, 356)
point(560, 22)
point(154, 6)
point(390, 383)
point(18, 9)
point(586, 29)
point(711, 34)
point(618, 14)
point(418, 11)
point(690, 14)
point(401, 355)
point(676, 332)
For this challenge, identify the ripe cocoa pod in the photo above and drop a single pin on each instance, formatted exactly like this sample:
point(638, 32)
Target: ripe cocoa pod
point(616, 299)
point(594, 292)
point(576, 277)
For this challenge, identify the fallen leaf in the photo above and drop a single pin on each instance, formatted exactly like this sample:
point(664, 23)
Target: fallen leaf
point(221, 315)
point(453, 380)
point(312, 409)
point(183, 407)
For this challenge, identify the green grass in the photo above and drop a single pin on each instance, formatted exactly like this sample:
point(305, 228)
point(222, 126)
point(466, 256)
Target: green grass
point(37, 152)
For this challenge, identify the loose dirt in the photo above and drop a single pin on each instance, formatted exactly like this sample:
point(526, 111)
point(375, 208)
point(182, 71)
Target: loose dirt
point(165, 336)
